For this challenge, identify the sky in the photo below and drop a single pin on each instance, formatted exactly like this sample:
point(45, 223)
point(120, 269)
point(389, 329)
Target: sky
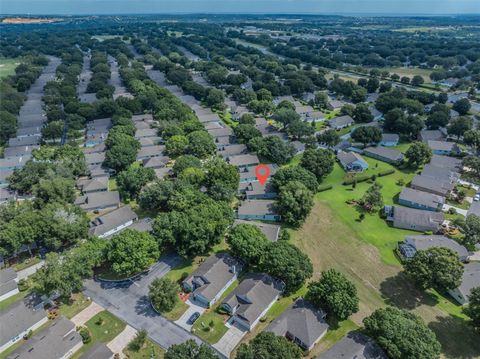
point(393, 7)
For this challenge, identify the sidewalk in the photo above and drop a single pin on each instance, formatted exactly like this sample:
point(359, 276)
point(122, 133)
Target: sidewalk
point(86, 314)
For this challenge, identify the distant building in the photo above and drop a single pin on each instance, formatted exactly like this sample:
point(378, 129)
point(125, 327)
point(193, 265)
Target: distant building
point(444, 147)
point(384, 154)
point(98, 201)
point(389, 140)
point(243, 161)
point(431, 135)
point(414, 219)
point(352, 161)
point(432, 185)
point(341, 122)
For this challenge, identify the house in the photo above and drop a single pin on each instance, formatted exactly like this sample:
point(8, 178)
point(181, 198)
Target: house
point(94, 139)
point(271, 231)
point(302, 110)
point(60, 340)
point(414, 219)
point(221, 132)
point(11, 163)
point(258, 210)
point(19, 151)
point(377, 115)
point(96, 171)
point(247, 174)
point(384, 154)
point(149, 141)
point(299, 146)
point(251, 300)
point(150, 152)
point(443, 147)
point(156, 162)
point(99, 201)
point(352, 161)
point(412, 244)
point(8, 283)
point(432, 185)
point(146, 117)
point(314, 116)
point(99, 351)
point(421, 200)
point(440, 173)
point(101, 147)
point(470, 280)
point(232, 150)
point(6, 195)
point(145, 133)
point(212, 125)
point(474, 209)
point(21, 320)
point(335, 105)
point(112, 222)
point(389, 140)
point(212, 278)
point(354, 346)
point(256, 190)
point(208, 117)
point(94, 159)
point(24, 141)
point(277, 100)
point(301, 323)
point(431, 135)
point(99, 184)
point(243, 161)
point(341, 122)
point(163, 172)
point(447, 162)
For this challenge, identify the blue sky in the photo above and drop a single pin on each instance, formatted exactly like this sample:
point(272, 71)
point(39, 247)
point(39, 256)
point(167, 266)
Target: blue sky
point(395, 7)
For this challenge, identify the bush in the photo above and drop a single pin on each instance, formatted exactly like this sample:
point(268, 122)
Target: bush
point(137, 343)
point(356, 179)
point(324, 188)
point(386, 173)
point(22, 285)
point(452, 210)
point(85, 334)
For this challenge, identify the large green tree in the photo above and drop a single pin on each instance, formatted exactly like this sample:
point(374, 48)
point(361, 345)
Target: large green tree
point(318, 161)
point(295, 173)
point(473, 307)
point(248, 243)
point(335, 294)
point(190, 350)
point(267, 345)
point(436, 267)
point(418, 154)
point(201, 144)
point(294, 203)
point(131, 181)
point(162, 293)
point(402, 334)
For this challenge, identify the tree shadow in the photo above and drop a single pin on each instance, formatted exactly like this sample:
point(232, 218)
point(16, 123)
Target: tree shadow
point(401, 292)
point(144, 307)
point(451, 326)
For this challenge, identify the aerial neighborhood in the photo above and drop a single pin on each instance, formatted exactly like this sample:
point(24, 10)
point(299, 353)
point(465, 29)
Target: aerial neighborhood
point(239, 186)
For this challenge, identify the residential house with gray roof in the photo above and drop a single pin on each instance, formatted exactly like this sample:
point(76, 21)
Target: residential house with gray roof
point(212, 278)
point(247, 174)
point(258, 210)
point(271, 231)
point(19, 151)
point(150, 152)
point(243, 161)
point(440, 173)
point(301, 323)
point(94, 159)
point(451, 163)
point(232, 150)
point(99, 201)
point(431, 135)
point(384, 154)
point(91, 185)
point(414, 219)
point(251, 300)
point(113, 222)
point(389, 140)
point(421, 200)
point(340, 122)
point(474, 209)
point(444, 147)
point(352, 161)
point(11, 163)
point(147, 132)
point(256, 190)
point(354, 346)
point(8, 283)
point(21, 319)
point(412, 244)
point(24, 141)
point(470, 280)
point(60, 340)
point(432, 185)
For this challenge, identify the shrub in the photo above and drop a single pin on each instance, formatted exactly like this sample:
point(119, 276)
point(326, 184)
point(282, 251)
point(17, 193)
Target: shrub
point(22, 285)
point(356, 179)
point(386, 173)
point(85, 334)
point(452, 210)
point(325, 188)
point(137, 343)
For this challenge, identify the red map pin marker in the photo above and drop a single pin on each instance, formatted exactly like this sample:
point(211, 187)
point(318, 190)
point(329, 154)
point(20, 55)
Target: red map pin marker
point(262, 172)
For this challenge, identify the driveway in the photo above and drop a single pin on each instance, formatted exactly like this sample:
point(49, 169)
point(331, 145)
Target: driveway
point(27, 272)
point(121, 341)
point(86, 314)
point(461, 211)
point(192, 308)
point(129, 302)
point(230, 339)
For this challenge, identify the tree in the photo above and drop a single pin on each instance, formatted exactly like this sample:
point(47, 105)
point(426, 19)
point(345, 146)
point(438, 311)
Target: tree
point(335, 294)
point(436, 267)
point(131, 252)
point(247, 119)
point(472, 138)
point(321, 99)
point(53, 131)
point(473, 307)
point(462, 106)
point(176, 145)
point(190, 350)
point(294, 203)
point(329, 138)
point(273, 149)
point(362, 113)
point(56, 189)
point(201, 144)
point(367, 134)
point(372, 199)
point(184, 162)
point(437, 119)
point(8, 126)
point(267, 345)
point(459, 126)
point(372, 84)
point(418, 154)
point(295, 173)
point(248, 243)
point(162, 293)
point(300, 129)
point(138, 341)
point(318, 161)
point(417, 80)
point(131, 181)
point(410, 339)
point(244, 133)
point(122, 154)
point(471, 162)
point(442, 97)
point(221, 179)
point(285, 116)
point(472, 230)
point(215, 98)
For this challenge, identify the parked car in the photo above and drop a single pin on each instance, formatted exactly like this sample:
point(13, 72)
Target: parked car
point(193, 318)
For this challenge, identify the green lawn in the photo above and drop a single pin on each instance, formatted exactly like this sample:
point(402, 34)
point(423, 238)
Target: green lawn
point(7, 67)
point(103, 331)
point(148, 351)
point(211, 324)
point(410, 72)
point(177, 311)
point(77, 303)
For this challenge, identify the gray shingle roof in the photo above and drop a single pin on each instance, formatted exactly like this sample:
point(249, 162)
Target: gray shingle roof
point(303, 321)
point(347, 158)
point(451, 163)
point(340, 121)
point(428, 135)
point(93, 185)
point(420, 197)
point(425, 242)
point(97, 200)
point(470, 278)
point(98, 351)
point(417, 217)
point(19, 318)
point(54, 342)
point(390, 137)
point(388, 153)
point(257, 207)
point(111, 220)
point(442, 145)
point(213, 274)
point(259, 290)
point(440, 173)
point(354, 346)
point(243, 160)
point(430, 184)
point(150, 151)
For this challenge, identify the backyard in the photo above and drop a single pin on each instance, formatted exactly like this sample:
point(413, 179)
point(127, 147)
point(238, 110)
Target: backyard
point(7, 67)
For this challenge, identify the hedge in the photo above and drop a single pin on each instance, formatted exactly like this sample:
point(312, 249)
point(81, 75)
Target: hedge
point(357, 179)
point(386, 173)
point(324, 188)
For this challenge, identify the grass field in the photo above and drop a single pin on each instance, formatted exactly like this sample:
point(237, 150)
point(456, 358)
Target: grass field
point(148, 351)
point(333, 237)
point(7, 67)
point(77, 303)
point(410, 72)
point(108, 37)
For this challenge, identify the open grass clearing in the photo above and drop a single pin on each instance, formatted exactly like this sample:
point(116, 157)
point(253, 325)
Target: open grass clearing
point(149, 350)
point(7, 67)
point(410, 72)
point(74, 305)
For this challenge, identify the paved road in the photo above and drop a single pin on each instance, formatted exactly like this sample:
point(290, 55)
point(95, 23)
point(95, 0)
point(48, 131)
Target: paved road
point(130, 303)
